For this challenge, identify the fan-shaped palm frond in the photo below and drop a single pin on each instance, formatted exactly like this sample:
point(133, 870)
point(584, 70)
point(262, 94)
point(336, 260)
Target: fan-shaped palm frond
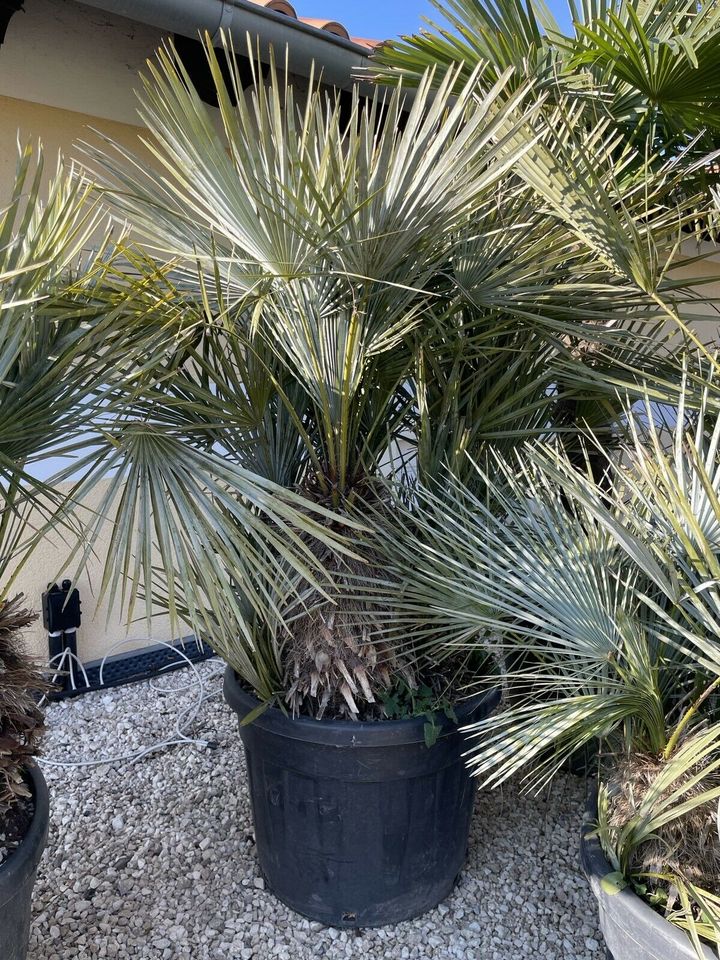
point(45, 334)
point(600, 603)
point(609, 588)
point(306, 252)
point(654, 68)
point(357, 294)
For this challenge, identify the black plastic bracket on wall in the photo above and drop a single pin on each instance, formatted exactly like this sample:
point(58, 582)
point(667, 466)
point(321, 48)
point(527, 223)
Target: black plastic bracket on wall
point(135, 665)
point(7, 9)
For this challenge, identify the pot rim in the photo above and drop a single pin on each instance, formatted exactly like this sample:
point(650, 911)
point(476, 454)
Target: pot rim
point(359, 733)
point(25, 859)
point(596, 866)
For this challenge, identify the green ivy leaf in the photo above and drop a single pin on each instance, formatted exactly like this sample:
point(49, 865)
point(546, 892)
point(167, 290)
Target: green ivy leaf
point(431, 733)
point(391, 706)
point(613, 883)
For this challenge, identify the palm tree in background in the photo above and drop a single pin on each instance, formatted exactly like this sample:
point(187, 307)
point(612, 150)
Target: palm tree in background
point(652, 68)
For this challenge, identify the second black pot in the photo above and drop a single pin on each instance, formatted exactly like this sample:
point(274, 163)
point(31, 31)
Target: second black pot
point(357, 824)
point(17, 875)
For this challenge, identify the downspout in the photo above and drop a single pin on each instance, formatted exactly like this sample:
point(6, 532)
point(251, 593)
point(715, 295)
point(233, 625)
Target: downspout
point(337, 57)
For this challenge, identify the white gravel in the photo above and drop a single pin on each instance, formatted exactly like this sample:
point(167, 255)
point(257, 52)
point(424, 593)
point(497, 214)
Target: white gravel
point(155, 861)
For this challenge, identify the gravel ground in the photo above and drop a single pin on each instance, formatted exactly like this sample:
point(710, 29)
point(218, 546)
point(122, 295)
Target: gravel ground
point(154, 860)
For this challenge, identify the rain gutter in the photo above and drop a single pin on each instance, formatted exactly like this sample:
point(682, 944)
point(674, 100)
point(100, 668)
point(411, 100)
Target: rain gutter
point(337, 57)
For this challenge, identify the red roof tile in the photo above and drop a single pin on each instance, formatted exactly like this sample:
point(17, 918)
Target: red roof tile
point(279, 6)
point(319, 23)
point(332, 26)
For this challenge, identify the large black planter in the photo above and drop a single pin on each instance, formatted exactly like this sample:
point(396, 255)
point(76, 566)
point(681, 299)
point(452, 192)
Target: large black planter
point(17, 875)
point(357, 824)
point(631, 928)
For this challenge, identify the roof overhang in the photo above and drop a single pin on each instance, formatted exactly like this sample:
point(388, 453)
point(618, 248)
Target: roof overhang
point(303, 43)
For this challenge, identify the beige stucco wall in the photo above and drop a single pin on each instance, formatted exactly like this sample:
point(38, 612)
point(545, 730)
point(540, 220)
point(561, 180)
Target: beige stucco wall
point(58, 130)
point(703, 277)
point(64, 69)
point(67, 55)
point(101, 627)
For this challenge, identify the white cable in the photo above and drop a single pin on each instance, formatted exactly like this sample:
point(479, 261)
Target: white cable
point(184, 719)
point(177, 689)
point(64, 655)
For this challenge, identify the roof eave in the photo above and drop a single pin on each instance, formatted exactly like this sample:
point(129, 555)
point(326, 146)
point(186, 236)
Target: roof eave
point(335, 56)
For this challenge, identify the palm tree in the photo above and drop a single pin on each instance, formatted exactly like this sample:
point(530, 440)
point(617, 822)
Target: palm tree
point(359, 295)
point(600, 606)
point(653, 68)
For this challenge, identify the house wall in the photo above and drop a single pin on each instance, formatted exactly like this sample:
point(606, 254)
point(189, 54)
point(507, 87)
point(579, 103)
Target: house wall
point(703, 277)
point(68, 73)
point(57, 128)
point(67, 55)
point(101, 628)
point(66, 69)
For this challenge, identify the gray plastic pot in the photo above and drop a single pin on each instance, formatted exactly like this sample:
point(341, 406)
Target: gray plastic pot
point(358, 824)
point(631, 928)
point(17, 875)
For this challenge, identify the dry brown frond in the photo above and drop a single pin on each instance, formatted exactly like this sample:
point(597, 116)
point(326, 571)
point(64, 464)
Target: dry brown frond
point(21, 721)
point(688, 846)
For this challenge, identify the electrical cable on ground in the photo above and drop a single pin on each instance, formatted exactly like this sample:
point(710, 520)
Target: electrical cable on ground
point(183, 721)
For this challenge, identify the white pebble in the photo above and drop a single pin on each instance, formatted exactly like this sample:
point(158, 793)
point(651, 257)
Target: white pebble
point(183, 883)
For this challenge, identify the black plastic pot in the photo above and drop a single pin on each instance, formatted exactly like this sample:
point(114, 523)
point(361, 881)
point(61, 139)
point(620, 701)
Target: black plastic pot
point(631, 928)
point(357, 824)
point(583, 762)
point(17, 875)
